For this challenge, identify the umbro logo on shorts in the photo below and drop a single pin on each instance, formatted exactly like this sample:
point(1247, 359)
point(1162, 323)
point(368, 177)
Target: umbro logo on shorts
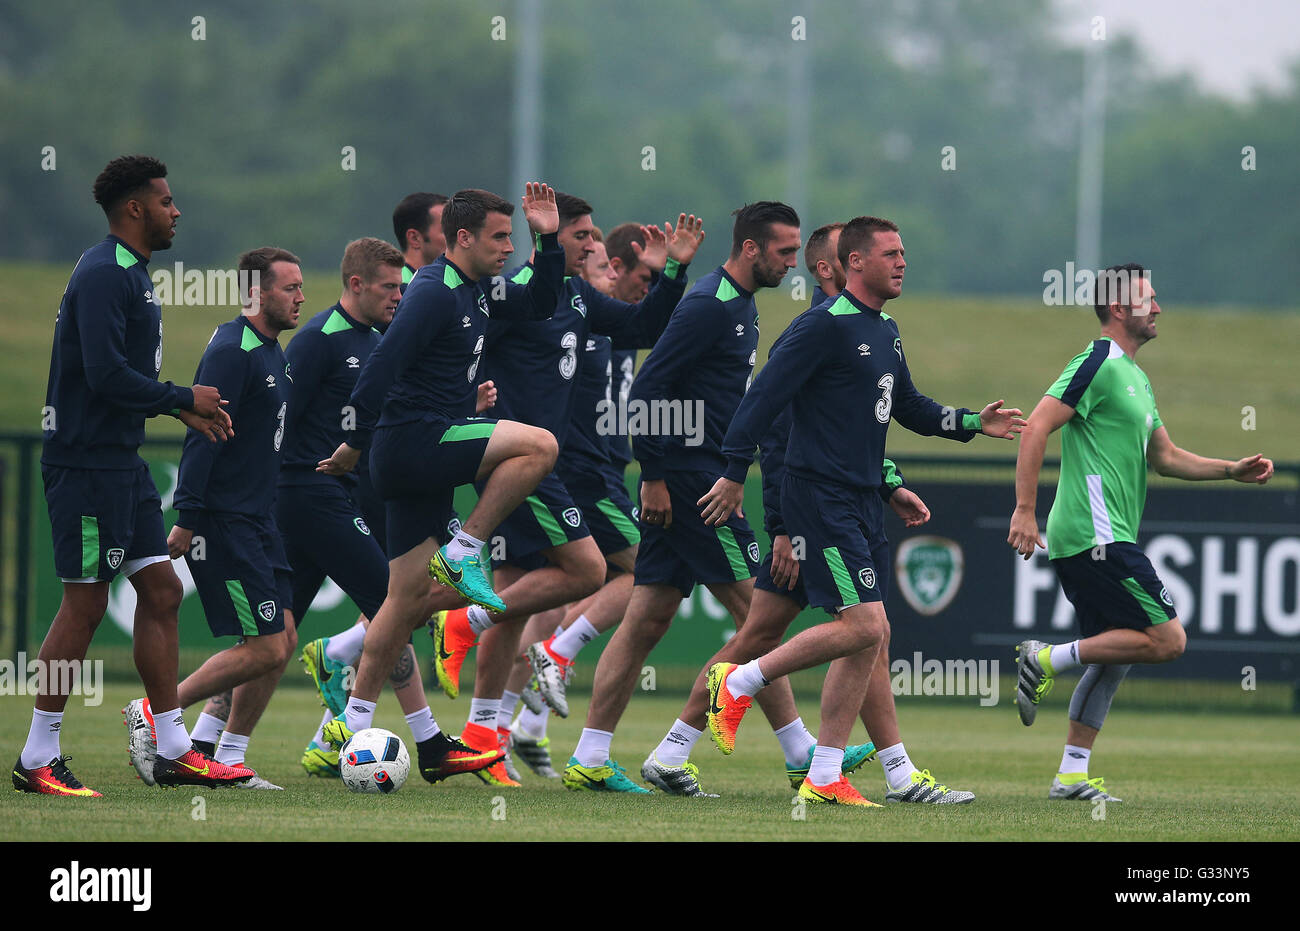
point(114, 557)
point(267, 610)
point(572, 516)
point(867, 577)
point(361, 525)
point(753, 551)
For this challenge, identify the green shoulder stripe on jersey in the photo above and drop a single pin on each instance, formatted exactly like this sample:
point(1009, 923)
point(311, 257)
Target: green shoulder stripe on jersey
point(90, 545)
point(842, 307)
point(726, 292)
point(885, 316)
point(450, 278)
point(407, 274)
point(735, 558)
point(546, 520)
point(524, 275)
point(250, 340)
point(336, 323)
point(124, 256)
point(840, 573)
point(243, 610)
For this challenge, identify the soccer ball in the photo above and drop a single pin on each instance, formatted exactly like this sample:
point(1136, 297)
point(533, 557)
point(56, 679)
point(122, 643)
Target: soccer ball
point(374, 761)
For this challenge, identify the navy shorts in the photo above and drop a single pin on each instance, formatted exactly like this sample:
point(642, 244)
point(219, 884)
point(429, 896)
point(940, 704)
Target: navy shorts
point(605, 505)
point(372, 507)
point(548, 517)
point(243, 577)
point(764, 581)
point(325, 535)
point(845, 551)
point(101, 519)
point(1119, 588)
point(690, 552)
point(416, 468)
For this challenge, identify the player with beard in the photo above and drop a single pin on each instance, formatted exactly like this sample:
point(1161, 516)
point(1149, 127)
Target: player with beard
point(1111, 432)
point(225, 528)
point(105, 512)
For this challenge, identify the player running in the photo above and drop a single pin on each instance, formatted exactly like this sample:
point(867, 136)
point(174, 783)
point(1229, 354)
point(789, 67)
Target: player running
point(544, 556)
point(702, 363)
point(779, 596)
point(416, 395)
point(105, 512)
point(325, 532)
point(824, 364)
point(224, 524)
point(1111, 430)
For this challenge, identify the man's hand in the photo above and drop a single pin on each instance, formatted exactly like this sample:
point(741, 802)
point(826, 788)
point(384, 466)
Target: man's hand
point(1024, 536)
point(654, 254)
point(1001, 423)
point(907, 505)
point(178, 542)
point(724, 498)
point(656, 504)
point(343, 461)
point(539, 208)
point(207, 401)
point(487, 397)
point(1254, 470)
point(684, 241)
point(214, 428)
point(785, 568)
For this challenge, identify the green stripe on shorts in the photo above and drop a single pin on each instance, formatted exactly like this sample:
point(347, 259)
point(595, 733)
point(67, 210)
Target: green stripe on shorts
point(1155, 613)
point(739, 568)
point(467, 431)
point(243, 610)
point(548, 522)
point(843, 581)
point(89, 547)
point(620, 521)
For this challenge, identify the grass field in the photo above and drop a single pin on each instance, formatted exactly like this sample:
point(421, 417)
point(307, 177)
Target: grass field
point(1207, 364)
point(1183, 777)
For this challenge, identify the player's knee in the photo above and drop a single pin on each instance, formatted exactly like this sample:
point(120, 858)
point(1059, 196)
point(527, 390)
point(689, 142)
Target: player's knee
point(543, 447)
point(589, 573)
point(162, 599)
point(1173, 643)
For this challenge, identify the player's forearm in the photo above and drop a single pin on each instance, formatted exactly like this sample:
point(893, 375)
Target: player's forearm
point(1179, 463)
point(1029, 463)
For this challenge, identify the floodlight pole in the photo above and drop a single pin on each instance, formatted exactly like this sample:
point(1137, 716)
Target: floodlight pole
point(1092, 138)
point(527, 157)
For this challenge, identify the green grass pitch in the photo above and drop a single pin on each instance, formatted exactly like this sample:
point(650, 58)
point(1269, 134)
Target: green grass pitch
point(1183, 777)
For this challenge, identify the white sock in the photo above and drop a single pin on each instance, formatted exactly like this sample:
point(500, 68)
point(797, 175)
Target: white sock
point(1064, 656)
point(326, 718)
point(422, 724)
point(483, 712)
point(479, 619)
point(345, 648)
point(42, 739)
point(232, 748)
point(558, 630)
point(571, 641)
point(462, 545)
point(745, 680)
point(359, 714)
point(1075, 759)
point(827, 764)
point(509, 702)
point(534, 723)
point(675, 748)
point(796, 741)
point(898, 768)
point(208, 728)
point(173, 738)
point(593, 747)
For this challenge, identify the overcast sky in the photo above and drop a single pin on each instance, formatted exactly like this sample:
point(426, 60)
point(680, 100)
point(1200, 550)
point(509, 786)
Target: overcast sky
point(1229, 46)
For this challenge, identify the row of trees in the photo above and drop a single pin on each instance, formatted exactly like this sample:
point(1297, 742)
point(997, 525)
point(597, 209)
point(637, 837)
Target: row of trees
point(302, 124)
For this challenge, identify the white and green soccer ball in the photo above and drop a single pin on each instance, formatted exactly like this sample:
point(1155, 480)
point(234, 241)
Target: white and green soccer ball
point(374, 761)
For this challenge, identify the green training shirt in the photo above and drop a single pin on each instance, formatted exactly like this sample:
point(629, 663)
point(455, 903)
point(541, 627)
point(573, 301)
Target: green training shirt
point(1103, 484)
